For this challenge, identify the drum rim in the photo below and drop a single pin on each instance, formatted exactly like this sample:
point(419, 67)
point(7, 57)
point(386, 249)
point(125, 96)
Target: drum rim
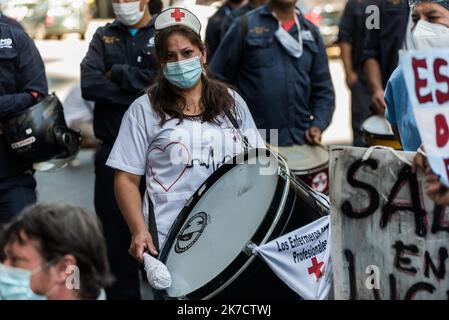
point(322, 164)
point(242, 261)
point(311, 170)
point(380, 136)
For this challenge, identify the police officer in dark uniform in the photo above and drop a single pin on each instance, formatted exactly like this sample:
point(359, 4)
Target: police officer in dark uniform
point(23, 83)
point(119, 65)
point(351, 38)
point(277, 60)
point(382, 45)
point(213, 29)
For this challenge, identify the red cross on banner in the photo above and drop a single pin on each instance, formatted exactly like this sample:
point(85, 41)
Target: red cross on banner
point(177, 15)
point(316, 268)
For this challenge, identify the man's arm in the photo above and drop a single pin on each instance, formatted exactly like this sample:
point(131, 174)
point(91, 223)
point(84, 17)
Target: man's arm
point(95, 85)
point(373, 76)
point(213, 35)
point(31, 78)
point(371, 68)
point(322, 98)
point(345, 41)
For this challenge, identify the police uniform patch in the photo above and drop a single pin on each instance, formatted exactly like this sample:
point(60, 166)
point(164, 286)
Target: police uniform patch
point(6, 43)
point(110, 40)
point(259, 30)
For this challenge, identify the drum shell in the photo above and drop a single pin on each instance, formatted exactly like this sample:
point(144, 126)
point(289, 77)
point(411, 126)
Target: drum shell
point(248, 276)
point(309, 177)
point(372, 139)
point(378, 132)
point(258, 281)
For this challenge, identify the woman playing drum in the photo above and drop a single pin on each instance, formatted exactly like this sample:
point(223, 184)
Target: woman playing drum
point(178, 134)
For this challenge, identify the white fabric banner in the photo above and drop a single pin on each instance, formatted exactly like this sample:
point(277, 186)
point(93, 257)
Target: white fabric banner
point(301, 259)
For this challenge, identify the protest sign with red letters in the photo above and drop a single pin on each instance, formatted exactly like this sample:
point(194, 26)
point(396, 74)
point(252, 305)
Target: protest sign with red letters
point(427, 78)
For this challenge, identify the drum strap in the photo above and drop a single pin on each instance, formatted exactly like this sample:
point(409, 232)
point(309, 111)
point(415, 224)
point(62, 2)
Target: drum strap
point(234, 122)
point(152, 224)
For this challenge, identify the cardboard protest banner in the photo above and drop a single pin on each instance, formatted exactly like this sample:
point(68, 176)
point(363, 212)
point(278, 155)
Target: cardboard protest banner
point(301, 259)
point(389, 240)
point(427, 79)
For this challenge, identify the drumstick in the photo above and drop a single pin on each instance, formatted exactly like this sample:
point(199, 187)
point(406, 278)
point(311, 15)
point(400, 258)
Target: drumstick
point(323, 146)
point(276, 151)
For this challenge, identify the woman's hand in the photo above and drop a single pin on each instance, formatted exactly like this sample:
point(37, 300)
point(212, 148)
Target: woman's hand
point(313, 135)
point(351, 79)
point(436, 190)
point(378, 101)
point(420, 161)
point(141, 241)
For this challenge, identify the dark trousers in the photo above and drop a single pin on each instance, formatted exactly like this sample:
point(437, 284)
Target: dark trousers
point(361, 109)
point(14, 197)
point(124, 268)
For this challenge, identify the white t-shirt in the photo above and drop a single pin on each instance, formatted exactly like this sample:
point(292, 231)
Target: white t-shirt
point(177, 157)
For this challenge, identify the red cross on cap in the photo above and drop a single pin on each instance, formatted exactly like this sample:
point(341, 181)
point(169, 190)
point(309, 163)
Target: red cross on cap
point(177, 15)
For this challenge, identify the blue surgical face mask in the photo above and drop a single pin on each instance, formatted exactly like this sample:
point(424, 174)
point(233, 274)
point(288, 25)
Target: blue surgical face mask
point(184, 74)
point(294, 47)
point(15, 284)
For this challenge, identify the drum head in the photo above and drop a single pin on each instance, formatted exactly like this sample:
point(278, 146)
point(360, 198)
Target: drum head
point(304, 157)
point(216, 225)
point(378, 125)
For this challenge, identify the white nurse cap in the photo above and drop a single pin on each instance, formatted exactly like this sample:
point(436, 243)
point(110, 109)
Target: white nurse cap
point(177, 16)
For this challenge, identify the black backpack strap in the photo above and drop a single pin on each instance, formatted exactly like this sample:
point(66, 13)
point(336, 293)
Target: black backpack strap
point(152, 223)
point(237, 128)
point(244, 28)
point(244, 25)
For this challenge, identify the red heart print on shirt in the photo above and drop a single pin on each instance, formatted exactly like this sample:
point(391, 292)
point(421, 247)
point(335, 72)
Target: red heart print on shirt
point(177, 168)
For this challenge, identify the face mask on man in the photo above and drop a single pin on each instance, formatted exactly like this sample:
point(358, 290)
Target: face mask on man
point(184, 74)
point(428, 35)
point(15, 284)
point(128, 13)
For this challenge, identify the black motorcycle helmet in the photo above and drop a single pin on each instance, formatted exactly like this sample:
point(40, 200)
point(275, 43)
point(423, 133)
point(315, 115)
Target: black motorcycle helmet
point(40, 134)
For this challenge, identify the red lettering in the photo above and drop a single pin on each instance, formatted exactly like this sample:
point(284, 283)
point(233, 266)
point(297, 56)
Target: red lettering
point(442, 130)
point(419, 82)
point(440, 78)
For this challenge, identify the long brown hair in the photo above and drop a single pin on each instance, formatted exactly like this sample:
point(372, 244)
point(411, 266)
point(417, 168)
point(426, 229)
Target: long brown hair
point(215, 97)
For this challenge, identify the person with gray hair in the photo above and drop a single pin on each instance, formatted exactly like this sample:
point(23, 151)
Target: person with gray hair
point(54, 252)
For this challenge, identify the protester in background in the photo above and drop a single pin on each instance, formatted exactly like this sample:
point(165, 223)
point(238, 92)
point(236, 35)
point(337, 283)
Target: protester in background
point(382, 46)
point(155, 7)
point(213, 29)
point(54, 252)
point(23, 83)
point(184, 111)
point(278, 61)
point(430, 31)
point(118, 66)
point(351, 38)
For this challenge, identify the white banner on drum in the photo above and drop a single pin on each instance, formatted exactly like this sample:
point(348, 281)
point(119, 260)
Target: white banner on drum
point(301, 259)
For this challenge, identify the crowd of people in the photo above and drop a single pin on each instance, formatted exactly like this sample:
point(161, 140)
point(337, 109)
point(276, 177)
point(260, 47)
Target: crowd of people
point(155, 85)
